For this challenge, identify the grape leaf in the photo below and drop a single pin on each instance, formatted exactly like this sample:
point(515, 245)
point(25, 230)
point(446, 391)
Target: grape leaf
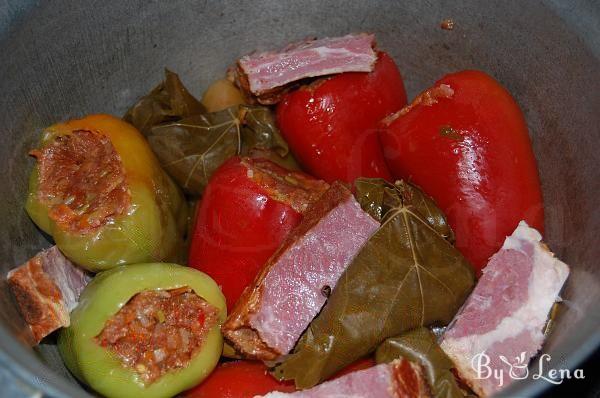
point(191, 149)
point(377, 196)
point(407, 275)
point(191, 143)
point(420, 346)
point(261, 137)
point(168, 101)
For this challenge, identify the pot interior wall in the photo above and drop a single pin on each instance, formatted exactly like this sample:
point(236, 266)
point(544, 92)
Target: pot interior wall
point(64, 59)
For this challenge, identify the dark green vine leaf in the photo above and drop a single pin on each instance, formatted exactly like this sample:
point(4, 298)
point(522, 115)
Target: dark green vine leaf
point(191, 143)
point(191, 149)
point(261, 137)
point(420, 346)
point(377, 196)
point(168, 101)
point(407, 275)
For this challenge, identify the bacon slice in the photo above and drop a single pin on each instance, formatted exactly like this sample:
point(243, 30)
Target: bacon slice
point(292, 287)
point(505, 315)
point(261, 74)
point(398, 379)
point(47, 288)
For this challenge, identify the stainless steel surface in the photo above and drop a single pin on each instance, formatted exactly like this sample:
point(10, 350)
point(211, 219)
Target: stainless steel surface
point(63, 59)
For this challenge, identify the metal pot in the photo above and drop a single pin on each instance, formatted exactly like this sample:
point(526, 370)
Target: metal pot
point(64, 59)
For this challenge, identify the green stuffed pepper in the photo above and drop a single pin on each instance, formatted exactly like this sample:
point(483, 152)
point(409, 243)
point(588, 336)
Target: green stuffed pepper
point(98, 189)
point(145, 330)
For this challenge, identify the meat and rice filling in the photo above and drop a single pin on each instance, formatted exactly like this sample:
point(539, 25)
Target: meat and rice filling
point(159, 330)
point(82, 180)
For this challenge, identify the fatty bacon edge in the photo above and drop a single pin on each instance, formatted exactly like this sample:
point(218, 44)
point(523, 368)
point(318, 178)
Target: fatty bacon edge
point(398, 379)
point(505, 315)
point(296, 281)
point(265, 74)
point(47, 289)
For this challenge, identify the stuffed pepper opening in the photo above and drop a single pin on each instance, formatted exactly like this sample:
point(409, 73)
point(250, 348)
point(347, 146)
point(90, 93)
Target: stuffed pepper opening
point(292, 188)
point(82, 181)
point(158, 331)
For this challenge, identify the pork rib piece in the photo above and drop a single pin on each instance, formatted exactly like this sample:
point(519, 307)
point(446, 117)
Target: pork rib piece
point(47, 288)
point(504, 316)
point(263, 72)
point(292, 287)
point(398, 379)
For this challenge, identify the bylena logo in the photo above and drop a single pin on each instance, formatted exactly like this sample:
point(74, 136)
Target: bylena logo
point(517, 369)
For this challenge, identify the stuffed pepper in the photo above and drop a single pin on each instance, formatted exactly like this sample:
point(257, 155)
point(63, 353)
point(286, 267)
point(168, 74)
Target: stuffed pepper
point(150, 330)
point(262, 198)
point(99, 191)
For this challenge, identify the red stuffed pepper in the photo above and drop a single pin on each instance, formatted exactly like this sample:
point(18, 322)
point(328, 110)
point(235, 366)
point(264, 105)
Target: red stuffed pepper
point(248, 207)
point(330, 124)
point(465, 142)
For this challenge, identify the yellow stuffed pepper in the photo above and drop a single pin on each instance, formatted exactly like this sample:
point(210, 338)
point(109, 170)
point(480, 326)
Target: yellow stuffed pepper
point(99, 191)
